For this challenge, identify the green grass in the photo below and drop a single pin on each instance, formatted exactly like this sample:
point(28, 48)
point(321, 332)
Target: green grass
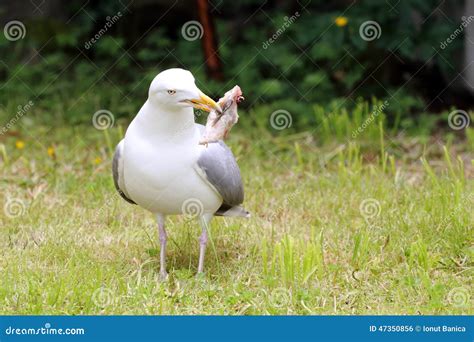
point(382, 226)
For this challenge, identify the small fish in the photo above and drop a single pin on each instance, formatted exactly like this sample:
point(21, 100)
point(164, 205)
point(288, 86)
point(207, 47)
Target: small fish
point(218, 125)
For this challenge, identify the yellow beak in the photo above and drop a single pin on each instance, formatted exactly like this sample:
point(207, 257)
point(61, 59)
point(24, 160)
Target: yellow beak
point(205, 103)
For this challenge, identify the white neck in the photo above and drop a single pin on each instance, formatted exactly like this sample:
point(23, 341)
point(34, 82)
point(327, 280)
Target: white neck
point(166, 122)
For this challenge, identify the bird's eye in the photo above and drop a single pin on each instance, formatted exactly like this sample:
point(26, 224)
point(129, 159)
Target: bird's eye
point(171, 92)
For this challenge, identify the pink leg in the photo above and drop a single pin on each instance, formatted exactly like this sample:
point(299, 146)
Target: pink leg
point(163, 238)
point(205, 220)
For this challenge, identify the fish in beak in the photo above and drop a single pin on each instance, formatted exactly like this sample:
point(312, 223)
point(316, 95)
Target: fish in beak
point(204, 102)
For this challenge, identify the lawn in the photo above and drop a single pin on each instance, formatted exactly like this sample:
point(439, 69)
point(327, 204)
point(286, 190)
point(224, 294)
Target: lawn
point(380, 225)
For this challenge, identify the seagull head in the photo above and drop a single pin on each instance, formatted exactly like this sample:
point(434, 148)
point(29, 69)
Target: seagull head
point(176, 88)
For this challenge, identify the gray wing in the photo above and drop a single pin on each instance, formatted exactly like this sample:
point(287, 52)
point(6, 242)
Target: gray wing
point(117, 172)
point(220, 169)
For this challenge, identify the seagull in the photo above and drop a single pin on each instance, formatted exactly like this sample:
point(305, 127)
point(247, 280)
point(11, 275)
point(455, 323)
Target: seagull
point(160, 166)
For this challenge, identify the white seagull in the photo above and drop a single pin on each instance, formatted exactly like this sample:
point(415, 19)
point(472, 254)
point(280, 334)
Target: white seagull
point(160, 166)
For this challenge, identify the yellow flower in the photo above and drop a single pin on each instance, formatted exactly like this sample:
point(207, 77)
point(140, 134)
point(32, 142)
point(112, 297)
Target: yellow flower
point(20, 144)
point(341, 21)
point(51, 151)
point(97, 160)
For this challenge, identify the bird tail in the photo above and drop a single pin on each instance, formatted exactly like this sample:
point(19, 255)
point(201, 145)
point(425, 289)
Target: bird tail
point(235, 211)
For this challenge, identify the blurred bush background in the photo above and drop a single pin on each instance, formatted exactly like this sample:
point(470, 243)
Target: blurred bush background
point(77, 57)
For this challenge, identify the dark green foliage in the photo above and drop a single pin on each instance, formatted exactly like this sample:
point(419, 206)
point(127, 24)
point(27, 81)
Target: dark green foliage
point(312, 61)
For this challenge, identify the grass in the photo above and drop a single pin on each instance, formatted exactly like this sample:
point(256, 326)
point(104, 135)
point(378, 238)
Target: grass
point(376, 226)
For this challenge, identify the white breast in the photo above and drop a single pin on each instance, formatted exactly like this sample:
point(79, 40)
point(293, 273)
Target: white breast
point(159, 170)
